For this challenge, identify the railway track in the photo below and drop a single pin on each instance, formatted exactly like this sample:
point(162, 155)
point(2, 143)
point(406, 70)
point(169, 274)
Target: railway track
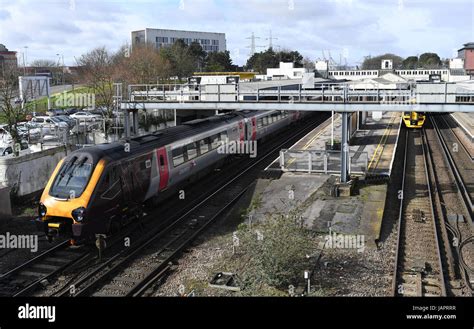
point(132, 272)
point(418, 266)
point(37, 271)
point(456, 206)
point(460, 160)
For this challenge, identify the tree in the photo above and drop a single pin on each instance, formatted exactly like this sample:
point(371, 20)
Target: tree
point(145, 65)
point(260, 62)
point(219, 62)
point(410, 63)
point(373, 63)
point(309, 64)
point(290, 56)
point(44, 63)
point(12, 110)
point(198, 54)
point(429, 61)
point(182, 61)
point(99, 71)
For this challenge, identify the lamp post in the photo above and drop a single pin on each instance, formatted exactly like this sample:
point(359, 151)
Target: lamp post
point(25, 59)
point(61, 59)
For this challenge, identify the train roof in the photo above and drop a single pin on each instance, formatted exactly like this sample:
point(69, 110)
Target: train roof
point(116, 150)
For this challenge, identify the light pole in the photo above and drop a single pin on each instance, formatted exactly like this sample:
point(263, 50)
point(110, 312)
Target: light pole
point(61, 56)
point(25, 59)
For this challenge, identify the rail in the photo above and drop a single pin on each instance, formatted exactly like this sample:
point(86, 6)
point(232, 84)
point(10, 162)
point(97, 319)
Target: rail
point(327, 93)
point(326, 161)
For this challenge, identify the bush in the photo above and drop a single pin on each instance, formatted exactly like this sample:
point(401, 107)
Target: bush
point(277, 250)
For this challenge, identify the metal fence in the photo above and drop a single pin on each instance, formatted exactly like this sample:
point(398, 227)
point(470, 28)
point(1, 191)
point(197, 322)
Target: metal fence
point(327, 162)
point(330, 92)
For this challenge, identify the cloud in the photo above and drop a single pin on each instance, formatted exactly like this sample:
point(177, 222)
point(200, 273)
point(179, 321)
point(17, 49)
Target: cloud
point(352, 28)
point(4, 14)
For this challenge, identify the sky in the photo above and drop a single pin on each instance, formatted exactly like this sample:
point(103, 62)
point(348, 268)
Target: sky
point(347, 29)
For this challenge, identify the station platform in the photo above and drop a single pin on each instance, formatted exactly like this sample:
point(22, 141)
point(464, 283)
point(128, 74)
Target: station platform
point(371, 151)
point(466, 122)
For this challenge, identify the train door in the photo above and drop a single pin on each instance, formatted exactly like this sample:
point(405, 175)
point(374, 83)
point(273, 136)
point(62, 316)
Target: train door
point(296, 115)
point(126, 182)
point(163, 168)
point(254, 128)
point(242, 130)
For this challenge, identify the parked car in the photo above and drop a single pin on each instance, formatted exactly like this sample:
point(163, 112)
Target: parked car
point(8, 149)
point(27, 132)
point(70, 121)
point(85, 116)
point(5, 137)
point(71, 111)
point(41, 128)
point(49, 125)
point(56, 112)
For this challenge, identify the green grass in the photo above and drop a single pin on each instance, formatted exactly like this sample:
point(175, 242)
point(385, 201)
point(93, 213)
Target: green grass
point(41, 105)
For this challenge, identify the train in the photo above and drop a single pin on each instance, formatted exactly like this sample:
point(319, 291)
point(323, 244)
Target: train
point(98, 189)
point(413, 119)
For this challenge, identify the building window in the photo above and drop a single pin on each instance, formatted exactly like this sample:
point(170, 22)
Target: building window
point(162, 39)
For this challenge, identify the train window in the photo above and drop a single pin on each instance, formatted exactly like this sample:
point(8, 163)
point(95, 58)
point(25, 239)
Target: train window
point(223, 136)
point(215, 143)
point(260, 123)
point(110, 187)
point(192, 151)
point(162, 162)
point(265, 121)
point(72, 179)
point(178, 156)
point(204, 145)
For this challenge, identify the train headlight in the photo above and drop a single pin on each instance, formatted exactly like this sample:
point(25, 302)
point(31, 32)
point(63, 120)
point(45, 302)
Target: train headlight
point(79, 214)
point(42, 210)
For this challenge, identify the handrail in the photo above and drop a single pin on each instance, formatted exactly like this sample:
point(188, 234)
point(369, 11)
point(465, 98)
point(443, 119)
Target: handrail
point(331, 93)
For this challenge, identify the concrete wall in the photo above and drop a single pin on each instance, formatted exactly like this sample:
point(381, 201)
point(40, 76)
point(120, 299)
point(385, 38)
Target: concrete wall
point(29, 173)
point(5, 206)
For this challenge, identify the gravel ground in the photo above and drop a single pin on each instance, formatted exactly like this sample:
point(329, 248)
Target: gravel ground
point(340, 272)
point(21, 223)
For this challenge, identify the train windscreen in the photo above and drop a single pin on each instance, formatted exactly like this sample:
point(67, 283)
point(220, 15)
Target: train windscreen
point(72, 179)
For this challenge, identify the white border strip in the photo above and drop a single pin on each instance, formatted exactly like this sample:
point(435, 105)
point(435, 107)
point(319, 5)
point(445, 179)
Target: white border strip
point(395, 148)
point(468, 133)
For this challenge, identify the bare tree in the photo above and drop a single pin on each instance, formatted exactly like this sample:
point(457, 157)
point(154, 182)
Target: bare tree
point(44, 63)
point(10, 108)
point(99, 73)
point(308, 64)
point(143, 65)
